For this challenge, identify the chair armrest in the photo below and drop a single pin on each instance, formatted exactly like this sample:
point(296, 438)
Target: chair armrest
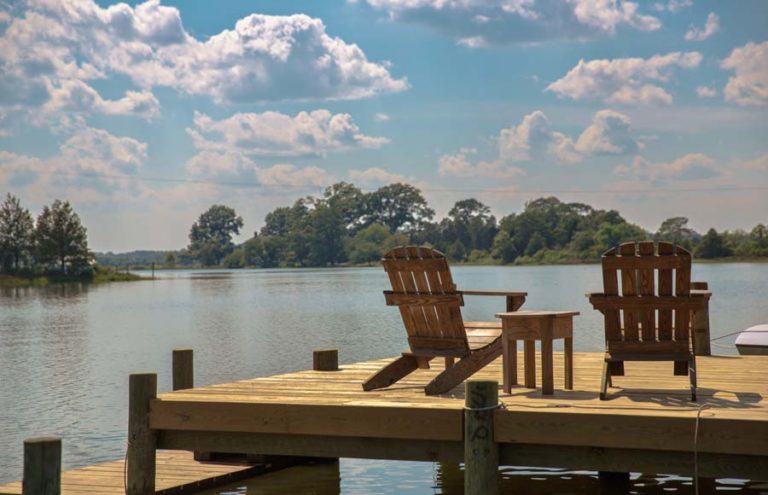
point(701, 293)
point(514, 299)
point(493, 293)
point(594, 294)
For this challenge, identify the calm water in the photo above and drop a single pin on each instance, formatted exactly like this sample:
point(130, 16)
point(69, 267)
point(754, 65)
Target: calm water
point(66, 352)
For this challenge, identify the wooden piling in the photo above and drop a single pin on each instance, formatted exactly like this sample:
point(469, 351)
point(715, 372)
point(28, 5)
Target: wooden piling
point(481, 452)
point(42, 466)
point(183, 369)
point(325, 360)
point(700, 324)
point(142, 441)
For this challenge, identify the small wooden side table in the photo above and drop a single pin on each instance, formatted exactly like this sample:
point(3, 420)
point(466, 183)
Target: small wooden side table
point(530, 326)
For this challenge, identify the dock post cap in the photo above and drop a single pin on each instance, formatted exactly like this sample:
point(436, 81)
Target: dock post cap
point(325, 360)
point(48, 439)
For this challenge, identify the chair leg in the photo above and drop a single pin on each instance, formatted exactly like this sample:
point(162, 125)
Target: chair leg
point(465, 368)
point(605, 381)
point(692, 375)
point(394, 371)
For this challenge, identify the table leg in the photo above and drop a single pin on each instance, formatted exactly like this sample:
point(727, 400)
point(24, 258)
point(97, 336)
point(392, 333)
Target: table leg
point(530, 363)
point(547, 374)
point(568, 352)
point(509, 361)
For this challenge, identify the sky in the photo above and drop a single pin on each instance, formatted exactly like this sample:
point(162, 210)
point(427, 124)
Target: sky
point(144, 114)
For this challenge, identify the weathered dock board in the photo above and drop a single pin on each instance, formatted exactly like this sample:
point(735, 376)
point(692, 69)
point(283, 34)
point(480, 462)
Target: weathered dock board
point(177, 472)
point(648, 427)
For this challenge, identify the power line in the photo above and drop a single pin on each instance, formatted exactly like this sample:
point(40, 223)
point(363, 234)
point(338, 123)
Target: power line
point(512, 190)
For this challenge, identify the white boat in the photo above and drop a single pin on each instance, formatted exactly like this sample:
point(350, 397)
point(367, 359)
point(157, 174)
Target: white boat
point(753, 340)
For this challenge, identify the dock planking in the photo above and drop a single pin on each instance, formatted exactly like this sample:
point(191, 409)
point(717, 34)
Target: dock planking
point(177, 473)
point(647, 425)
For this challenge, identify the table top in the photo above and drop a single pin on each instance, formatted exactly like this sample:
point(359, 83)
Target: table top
point(536, 314)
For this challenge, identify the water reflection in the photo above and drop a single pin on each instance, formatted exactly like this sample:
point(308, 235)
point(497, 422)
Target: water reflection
point(354, 477)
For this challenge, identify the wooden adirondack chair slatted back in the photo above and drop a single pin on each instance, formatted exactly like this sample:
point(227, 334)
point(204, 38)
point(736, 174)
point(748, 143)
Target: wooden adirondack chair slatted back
point(646, 303)
point(423, 289)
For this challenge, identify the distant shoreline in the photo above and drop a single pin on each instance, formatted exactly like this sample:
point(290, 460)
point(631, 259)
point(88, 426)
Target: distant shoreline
point(709, 261)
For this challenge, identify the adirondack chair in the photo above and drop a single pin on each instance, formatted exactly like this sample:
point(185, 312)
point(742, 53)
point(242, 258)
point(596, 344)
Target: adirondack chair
point(655, 306)
point(424, 292)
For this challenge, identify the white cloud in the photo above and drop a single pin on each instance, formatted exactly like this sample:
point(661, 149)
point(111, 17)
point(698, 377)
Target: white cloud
point(211, 163)
point(287, 175)
point(533, 139)
point(609, 134)
point(760, 163)
point(277, 134)
point(52, 47)
point(376, 176)
point(92, 162)
point(460, 166)
point(706, 92)
point(671, 5)
point(710, 27)
point(480, 23)
point(623, 80)
point(749, 85)
point(690, 167)
point(74, 95)
point(381, 117)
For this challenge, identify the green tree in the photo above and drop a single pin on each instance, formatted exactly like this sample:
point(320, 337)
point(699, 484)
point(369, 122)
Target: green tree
point(676, 230)
point(610, 235)
point(712, 246)
point(211, 236)
point(349, 201)
point(368, 244)
point(325, 233)
point(471, 223)
point(170, 259)
point(399, 207)
point(504, 248)
point(535, 244)
point(16, 233)
point(60, 236)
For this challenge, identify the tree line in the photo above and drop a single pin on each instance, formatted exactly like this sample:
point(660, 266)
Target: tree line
point(347, 225)
point(55, 242)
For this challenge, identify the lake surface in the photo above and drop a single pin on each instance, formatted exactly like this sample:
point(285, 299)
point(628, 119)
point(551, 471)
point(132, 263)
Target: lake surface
point(66, 352)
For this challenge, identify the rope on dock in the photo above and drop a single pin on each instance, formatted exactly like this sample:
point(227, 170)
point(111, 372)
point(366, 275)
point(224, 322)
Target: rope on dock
point(696, 449)
point(500, 405)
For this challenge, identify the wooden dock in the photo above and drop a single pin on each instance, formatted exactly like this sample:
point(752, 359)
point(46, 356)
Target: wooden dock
point(177, 473)
point(648, 424)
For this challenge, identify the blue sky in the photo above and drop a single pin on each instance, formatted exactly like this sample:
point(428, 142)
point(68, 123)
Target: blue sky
point(144, 114)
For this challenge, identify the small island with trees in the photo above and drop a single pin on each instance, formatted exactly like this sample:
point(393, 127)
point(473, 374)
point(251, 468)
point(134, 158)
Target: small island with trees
point(52, 248)
point(347, 226)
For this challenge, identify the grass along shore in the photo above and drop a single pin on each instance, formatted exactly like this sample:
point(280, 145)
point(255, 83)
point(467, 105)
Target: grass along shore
point(98, 275)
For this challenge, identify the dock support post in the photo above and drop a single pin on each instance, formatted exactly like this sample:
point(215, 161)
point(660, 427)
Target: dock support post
point(481, 452)
point(142, 441)
point(183, 369)
point(614, 483)
point(42, 466)
point(325, 360)
point(700, 325)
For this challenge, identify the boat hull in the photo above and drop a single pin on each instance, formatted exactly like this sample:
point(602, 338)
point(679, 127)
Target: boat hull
point(753, 341)
point(752, 350)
